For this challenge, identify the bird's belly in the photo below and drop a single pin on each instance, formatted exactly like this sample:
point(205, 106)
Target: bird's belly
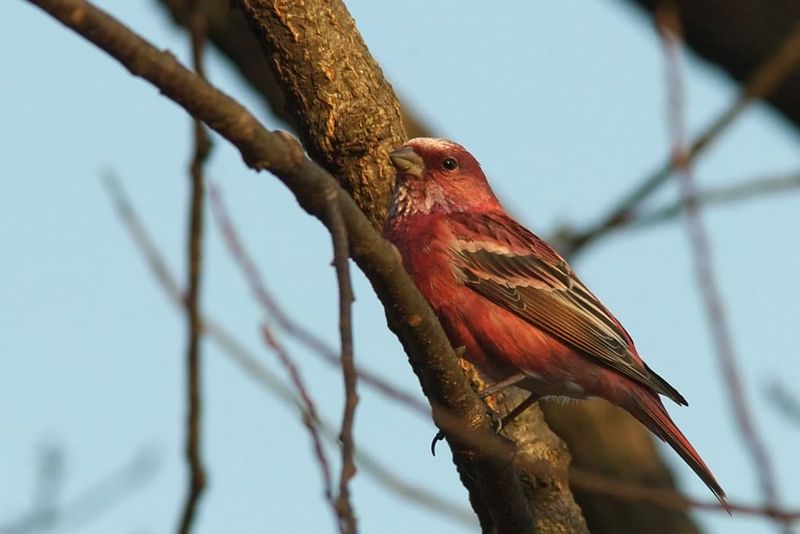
point(500, 344)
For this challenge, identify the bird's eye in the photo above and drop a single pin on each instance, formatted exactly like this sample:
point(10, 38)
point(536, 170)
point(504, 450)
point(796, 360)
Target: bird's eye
point(449, 164)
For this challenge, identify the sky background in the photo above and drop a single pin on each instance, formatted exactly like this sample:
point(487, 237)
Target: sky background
point(563, 102)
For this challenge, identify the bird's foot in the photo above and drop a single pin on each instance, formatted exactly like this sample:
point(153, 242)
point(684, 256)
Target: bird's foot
point(491, 389)
point(496, 420)
point(494, 417)
point(436, 439)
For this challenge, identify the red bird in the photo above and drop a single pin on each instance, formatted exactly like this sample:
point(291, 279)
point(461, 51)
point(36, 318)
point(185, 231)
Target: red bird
point(514, 304)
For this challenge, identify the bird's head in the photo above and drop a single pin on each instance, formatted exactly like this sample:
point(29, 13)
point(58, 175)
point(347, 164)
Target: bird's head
point(438, 175)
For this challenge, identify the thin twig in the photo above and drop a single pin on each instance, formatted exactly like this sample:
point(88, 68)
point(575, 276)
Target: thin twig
point(625, 490)
point(271, 307)
point(75, 513)
point(341, 259)
point(45, 510)
point(775, 68)
point(703, 264)
point(310, 418)
point(252, 366)
point(720, 195)
point(202, 149)
point(786, 402)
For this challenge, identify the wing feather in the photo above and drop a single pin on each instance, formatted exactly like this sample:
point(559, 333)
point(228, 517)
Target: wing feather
point(549, 296)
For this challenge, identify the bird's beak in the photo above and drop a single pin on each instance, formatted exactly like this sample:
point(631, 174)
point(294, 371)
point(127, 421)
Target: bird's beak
point(407, 162)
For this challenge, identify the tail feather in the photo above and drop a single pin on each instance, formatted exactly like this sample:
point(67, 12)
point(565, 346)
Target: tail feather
point(649, 410)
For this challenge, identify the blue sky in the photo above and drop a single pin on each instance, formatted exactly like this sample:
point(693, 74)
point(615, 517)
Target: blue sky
point(562, 101)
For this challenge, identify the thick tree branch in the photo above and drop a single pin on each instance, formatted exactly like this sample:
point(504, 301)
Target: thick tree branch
point(345, 111)
point(230, 33)
point(409, 315)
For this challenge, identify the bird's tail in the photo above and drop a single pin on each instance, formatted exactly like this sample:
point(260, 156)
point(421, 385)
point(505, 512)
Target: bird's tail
point(649, 410)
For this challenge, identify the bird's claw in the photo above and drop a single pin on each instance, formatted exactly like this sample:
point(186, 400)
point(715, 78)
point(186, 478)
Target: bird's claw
point(497, 425)
point(497, 421)
point(436, 439)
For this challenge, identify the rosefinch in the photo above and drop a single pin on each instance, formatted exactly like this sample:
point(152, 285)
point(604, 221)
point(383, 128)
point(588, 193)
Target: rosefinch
point(515, 306)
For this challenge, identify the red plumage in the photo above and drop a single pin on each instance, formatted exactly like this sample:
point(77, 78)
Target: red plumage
point(510, 300)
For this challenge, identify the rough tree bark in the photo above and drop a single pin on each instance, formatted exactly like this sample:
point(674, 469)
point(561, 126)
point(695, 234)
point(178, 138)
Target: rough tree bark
point(229, 32)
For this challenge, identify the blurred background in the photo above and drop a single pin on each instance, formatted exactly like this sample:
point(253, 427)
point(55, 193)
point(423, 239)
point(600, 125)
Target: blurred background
point(564, 102)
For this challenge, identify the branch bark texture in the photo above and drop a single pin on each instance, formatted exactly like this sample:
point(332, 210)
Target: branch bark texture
point(229, 32)
point(346, 113)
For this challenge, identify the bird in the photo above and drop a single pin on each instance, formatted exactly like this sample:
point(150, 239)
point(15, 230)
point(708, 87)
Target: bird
point(511, 304)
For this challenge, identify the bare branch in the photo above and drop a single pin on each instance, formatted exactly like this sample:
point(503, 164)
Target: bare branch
point(712, 197)
point(91, 502)
point(785, 401)
point(764, 80)
point(341, 258)
point(271, 308)
point(202, 149)
point(309, 411)
point(703, 264)
point(253, 367)
point(625, 491)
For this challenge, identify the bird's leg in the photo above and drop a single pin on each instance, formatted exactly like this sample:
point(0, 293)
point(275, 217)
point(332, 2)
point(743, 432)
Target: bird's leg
point(521, 407)
point(485, 392)
point(501, 385)
point(499, 425)
point(491, 389)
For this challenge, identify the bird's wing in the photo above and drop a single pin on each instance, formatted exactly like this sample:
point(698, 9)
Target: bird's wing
point(543, 290)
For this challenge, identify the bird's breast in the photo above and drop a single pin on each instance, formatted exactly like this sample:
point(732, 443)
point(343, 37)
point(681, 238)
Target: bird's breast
point(424, 245)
